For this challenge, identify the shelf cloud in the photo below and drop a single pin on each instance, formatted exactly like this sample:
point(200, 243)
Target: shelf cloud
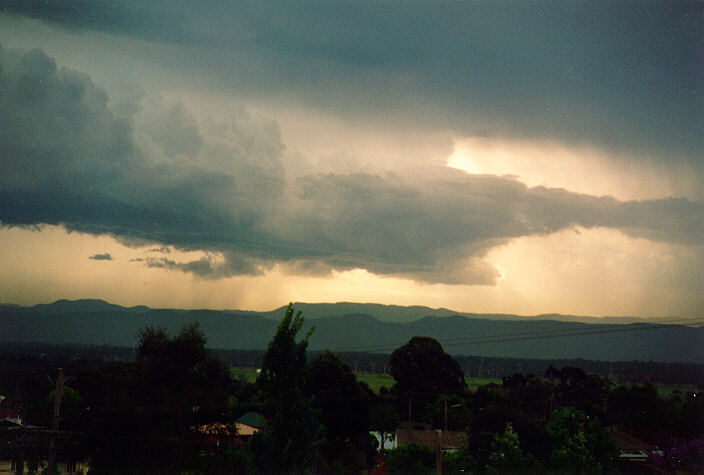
point(161, 176)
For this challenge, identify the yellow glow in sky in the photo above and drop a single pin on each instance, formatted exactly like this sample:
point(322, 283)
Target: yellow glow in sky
point(580, 169)
point(584, 272)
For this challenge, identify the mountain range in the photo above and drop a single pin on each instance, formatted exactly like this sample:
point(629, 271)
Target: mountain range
point(365, 327)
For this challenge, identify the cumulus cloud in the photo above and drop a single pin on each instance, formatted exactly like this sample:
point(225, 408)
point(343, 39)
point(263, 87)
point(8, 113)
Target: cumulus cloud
point(162, 177)
point(619, 74)
point(101, 257)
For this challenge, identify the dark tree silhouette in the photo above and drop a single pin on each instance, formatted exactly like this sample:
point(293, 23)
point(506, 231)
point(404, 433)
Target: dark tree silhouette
point(142, 414)
point(344, 405)
point(287, 444)
point(423, 371)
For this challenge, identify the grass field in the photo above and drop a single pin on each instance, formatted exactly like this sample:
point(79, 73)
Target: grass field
point(474, 383)
point(374, 380)
point(665, 390)
point(377, 380)
point(250, 374)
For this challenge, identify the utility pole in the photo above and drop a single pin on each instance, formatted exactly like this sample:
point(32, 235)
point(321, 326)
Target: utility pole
point(438, 454)
point(51, 464)
point(445, 413)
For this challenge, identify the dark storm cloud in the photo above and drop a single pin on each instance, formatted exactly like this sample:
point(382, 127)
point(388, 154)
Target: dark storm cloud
point(627, 75)
point(101, 257)
point(67, 160)
point(159, 178)
point(420, 227)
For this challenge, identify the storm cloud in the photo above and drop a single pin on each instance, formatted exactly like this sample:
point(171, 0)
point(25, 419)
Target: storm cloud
point(163, 177)
point(627, 76)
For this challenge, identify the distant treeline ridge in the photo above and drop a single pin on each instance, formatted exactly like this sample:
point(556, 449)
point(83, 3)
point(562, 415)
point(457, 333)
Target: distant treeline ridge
point(473, 366)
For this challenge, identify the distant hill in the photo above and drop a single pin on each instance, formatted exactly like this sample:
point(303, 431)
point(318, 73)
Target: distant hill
point(82, 305)
point(384, 313)
point(377, 328)
point(400, 314)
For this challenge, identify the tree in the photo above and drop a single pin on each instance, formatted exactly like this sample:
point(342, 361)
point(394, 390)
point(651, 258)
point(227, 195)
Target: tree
point(151, 405)
point(448, 412)
point(423, 371)
point(575, 388)
point(490, 422)
point(287, 443)
point(180, 382)
point(506, 453)
point(411, 458)
point(580, 444)
point(110, 398)
point(344, 405)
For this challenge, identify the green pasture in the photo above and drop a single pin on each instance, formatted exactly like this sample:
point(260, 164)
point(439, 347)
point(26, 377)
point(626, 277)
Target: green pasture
point(666, 390)
point(374, 380)
point(474, 383)
point(250, 374)
point(377, 380)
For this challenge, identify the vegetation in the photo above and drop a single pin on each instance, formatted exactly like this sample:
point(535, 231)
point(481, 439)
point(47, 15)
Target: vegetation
point(343, 405)
point(287, 443)
point(423, 371)
point(376, 381)
point(146, 414)
point(412, 458)
point(94, 321)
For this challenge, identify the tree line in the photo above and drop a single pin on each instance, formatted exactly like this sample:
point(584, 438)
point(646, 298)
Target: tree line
point(142, 415)
point(673, 373)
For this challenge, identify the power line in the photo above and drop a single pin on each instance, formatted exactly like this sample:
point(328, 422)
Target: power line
point(525, 336)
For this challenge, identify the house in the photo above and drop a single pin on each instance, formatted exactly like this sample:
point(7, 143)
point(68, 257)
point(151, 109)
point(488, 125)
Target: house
point(215, 436)
point(219, 435)
point(633, 450)
point(26, 445)
point(449, 440)
point(10, 409)
point(387, 438)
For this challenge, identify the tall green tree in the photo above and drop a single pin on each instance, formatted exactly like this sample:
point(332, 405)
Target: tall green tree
point(579, 443)
point(344, 405)
point(423, 371)
point(506, 453)
point(287, 443)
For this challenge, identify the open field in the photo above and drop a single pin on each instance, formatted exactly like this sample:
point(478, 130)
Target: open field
point(666, 390)
point(377, 380)
point(374, 380)
point(250, 374)
point(474, 383)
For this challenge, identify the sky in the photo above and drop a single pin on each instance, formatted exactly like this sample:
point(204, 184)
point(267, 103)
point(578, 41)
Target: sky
point(492, 157)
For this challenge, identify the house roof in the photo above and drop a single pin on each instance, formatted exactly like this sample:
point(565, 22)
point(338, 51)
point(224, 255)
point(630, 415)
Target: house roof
point(627, 442)
point(8, 423)
point(253, 419)
point(216, 428)
point(227, 430)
